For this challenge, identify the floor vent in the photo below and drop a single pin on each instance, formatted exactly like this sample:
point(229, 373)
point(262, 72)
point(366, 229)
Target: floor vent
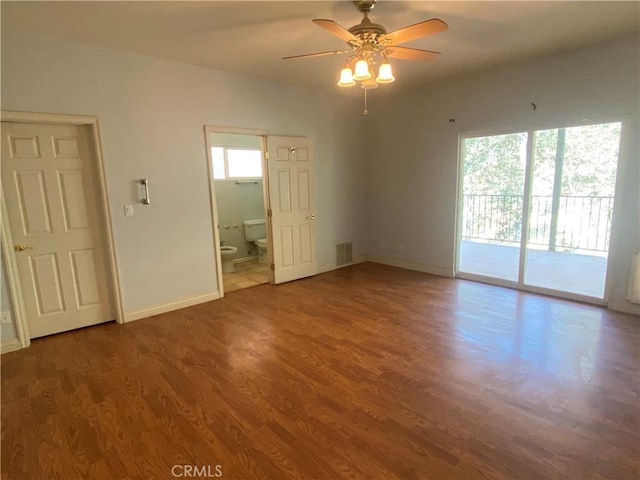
point(344, 253)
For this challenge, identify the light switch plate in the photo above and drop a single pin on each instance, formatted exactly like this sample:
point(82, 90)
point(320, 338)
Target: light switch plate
point(128, 210)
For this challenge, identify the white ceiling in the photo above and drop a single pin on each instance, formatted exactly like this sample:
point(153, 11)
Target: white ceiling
point(251, 37)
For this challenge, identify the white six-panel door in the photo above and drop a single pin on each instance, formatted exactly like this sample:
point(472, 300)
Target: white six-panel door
point(51, 198)
point(292, 208)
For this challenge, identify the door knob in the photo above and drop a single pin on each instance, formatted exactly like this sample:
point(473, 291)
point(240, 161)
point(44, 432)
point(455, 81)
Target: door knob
point(22, 248)
point(311, 217)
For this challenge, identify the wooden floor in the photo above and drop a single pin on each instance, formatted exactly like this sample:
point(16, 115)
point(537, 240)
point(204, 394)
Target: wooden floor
point(367, 372)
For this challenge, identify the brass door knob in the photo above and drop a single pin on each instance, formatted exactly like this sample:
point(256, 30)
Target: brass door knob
point(22, 247)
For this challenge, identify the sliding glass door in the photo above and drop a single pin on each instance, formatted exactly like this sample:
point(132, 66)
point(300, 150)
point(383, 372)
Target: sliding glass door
point(573, 182)
point(555, 189)
point(494, 171)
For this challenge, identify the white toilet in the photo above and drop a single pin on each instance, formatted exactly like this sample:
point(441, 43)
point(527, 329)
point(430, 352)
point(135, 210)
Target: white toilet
point(227, 253)
point(254, 231)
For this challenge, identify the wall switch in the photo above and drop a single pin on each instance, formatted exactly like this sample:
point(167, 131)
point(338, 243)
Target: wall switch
point(128, 210)
point(5, 318)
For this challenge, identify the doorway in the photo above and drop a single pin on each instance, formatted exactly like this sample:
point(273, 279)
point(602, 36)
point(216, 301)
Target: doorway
point(237, 162)
point(59, 248)
point(289, 203)
point(536, 208)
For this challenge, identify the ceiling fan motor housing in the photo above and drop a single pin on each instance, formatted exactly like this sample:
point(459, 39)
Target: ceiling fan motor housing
point(366, 28)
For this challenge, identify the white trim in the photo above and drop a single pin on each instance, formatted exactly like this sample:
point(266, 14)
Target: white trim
point(46, 118)
point(266, 199)
point(115, 288)
point(332, 266)
point(418, 267)
point(258, 132)
point(170, 307)
point(214, 211)
point(617, 218)
point(13, 277)
point(457, 235)
point(328, 268)
point(624, 306)
point(11, 346)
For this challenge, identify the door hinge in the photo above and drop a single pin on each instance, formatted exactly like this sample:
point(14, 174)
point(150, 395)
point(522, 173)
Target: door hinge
point(269, 213)
point(273, 267)
point(266, 156)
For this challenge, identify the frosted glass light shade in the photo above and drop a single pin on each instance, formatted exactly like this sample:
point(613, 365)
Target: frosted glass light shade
point(385, 75)
point(362, 70)
point(369, 84)
point(346, 78)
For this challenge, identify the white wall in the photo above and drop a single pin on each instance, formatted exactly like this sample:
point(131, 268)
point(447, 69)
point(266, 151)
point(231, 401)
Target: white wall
point(388, 179)
point(152, 114)
point(413, 148)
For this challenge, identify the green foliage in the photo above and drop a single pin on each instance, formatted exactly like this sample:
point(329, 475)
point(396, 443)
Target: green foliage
point(494, 174)
point(495, 165)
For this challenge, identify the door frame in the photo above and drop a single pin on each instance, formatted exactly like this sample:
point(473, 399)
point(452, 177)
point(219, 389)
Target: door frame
point(530, 131)
point(14, 282)
point(212, 129)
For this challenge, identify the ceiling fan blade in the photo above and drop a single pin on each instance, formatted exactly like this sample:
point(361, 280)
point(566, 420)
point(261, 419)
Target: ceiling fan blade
point(319, 54)
point(410, 53)
point(337, 30)
point(422, 29)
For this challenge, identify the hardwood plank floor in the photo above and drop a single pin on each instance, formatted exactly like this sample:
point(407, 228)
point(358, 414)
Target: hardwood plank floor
point(367, 372)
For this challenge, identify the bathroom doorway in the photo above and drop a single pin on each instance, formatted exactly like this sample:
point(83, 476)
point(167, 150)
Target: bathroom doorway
point(237, 175)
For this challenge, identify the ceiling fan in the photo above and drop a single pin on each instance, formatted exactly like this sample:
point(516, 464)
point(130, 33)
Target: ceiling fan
point(370, 44)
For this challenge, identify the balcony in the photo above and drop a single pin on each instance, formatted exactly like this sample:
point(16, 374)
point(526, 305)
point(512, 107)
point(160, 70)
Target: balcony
point(567, 247)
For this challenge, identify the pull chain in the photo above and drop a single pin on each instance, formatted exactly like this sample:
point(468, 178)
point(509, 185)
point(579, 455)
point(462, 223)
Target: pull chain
point(365, 111)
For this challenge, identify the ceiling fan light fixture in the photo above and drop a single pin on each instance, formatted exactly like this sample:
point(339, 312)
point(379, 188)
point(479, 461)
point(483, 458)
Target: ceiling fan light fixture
point(369, 84)
point(385, 74)
point(361, 70)
point(346, 78)
point(370, 43)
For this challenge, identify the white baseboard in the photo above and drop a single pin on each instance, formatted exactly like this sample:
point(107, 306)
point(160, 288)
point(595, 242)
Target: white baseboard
point(418, 267)
point(11, 346)
point(624, 306)
point(169, 307)
point(327, 268)
point(332, 266)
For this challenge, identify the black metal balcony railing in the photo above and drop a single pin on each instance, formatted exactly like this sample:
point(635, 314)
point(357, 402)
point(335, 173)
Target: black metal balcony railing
point(581, 222)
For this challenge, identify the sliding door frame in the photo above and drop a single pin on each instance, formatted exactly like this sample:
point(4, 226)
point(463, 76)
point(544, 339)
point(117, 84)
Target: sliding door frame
point(528, 182)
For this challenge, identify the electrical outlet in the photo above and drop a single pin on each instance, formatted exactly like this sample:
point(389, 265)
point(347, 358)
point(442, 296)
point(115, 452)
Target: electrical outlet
point(5, 318)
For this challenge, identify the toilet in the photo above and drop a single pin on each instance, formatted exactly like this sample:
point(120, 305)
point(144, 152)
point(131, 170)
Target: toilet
point(227, 253)
point(255, 232)
point(263, 257)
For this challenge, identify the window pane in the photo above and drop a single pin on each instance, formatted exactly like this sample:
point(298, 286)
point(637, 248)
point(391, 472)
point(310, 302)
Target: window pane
point(493, 188)
point(217, 155)
point(244, 163)
point(574, 178)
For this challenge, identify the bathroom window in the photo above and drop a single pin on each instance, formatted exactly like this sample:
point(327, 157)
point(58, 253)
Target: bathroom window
point(231, 163)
